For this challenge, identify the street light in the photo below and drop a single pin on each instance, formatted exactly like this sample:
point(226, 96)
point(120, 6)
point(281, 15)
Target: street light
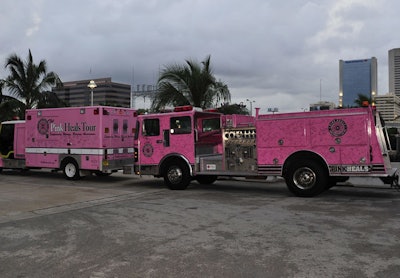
point(251, 106)
point(91, 85)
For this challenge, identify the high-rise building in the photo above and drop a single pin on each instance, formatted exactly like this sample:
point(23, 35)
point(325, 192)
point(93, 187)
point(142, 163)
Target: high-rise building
point(388, 106)
point(357, 77)
point(106, 92)
point(394, 71)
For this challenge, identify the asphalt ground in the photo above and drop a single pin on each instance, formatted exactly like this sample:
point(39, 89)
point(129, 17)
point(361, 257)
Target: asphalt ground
point(126, 226)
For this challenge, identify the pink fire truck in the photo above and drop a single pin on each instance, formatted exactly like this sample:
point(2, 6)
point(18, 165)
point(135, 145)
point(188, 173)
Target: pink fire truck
point(311, 150)
point(77, 140)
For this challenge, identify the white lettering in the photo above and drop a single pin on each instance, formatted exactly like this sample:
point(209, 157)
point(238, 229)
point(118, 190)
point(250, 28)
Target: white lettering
point(56, 127)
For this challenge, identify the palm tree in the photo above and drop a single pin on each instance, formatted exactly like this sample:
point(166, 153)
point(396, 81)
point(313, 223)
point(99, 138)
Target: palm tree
point(190, 84)
point(10, 107)
point(27, 81)
point(359, 101)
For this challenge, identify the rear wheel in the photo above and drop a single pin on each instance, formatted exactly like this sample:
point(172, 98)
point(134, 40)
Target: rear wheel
point(306, 178)
point(177, 175)
point(206, 179)
point(70, 169)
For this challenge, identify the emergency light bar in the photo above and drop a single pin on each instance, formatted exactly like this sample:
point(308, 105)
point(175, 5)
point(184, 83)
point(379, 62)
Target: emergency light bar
point(211, 110)
point(183, 108)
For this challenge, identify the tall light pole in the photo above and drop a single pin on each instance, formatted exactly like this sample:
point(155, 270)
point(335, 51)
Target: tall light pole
point(91, 85)
point(251, 106)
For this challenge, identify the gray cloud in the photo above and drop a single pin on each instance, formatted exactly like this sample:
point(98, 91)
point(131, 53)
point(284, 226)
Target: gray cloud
point(276, 53)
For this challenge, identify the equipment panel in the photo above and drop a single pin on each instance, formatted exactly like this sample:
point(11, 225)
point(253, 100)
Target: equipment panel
point(240, 149)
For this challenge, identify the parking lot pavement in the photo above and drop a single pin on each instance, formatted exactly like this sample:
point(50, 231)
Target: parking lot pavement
point(130, 227)
point(25, 195)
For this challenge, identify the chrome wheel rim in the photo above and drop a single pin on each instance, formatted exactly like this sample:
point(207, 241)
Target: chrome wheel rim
point(174, 175)
point(304, 178)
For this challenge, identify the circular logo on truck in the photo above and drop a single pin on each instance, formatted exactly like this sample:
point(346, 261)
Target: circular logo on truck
point(148, 150)
point(337, 127)
point(43, 126)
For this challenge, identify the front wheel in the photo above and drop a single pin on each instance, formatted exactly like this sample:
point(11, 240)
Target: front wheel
point(177, 176)
point(306, 178)
point(70, 169)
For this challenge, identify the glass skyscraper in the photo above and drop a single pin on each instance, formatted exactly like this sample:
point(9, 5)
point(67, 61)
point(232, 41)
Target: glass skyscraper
point(357, 77)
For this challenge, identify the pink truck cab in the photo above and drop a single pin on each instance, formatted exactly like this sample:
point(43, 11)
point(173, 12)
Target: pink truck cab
point(312, 151)
point(76, 140)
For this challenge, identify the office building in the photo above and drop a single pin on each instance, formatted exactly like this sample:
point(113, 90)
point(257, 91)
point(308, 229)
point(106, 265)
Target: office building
point(106, 92)
point(357, 77)
point(388, 106)
point(322, 105)
point(394, 71)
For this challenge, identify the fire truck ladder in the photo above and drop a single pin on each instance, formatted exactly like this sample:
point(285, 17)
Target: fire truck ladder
point(383, 138)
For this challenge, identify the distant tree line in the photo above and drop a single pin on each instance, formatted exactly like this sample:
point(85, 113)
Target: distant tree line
point(28, 86)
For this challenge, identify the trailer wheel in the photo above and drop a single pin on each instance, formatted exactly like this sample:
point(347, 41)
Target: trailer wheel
point(306, 178)
point(70, 169)
point(206, 179)
point(177, 176)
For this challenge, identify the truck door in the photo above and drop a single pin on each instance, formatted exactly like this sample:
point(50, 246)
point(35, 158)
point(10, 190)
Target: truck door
point(151, 141)
point(166, 135)
point(182, 136)
point(19, 142)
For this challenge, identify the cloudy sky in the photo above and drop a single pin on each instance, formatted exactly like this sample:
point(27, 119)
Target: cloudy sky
point(277, 53)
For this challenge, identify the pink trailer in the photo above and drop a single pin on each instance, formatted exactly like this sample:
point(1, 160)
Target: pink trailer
point(311, 150)
point(77, 140)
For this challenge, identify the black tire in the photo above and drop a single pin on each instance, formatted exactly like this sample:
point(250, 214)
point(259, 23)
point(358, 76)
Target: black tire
point(306, 178)
point(206, 179)
point(1, 169)
point(70, 169)
point(177, 175)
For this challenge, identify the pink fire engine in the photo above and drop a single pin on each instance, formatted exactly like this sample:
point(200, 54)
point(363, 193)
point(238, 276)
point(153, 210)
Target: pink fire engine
point(77, 140)
point(311, 150)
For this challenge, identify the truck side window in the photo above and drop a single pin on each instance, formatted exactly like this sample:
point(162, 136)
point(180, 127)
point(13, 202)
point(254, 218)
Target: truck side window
point(151, 127)
point(125, 126)
point(180, 125)
point(211, 124)
point(115, 126)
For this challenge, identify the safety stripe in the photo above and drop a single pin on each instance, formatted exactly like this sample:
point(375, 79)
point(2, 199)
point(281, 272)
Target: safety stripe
point(78, 151)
